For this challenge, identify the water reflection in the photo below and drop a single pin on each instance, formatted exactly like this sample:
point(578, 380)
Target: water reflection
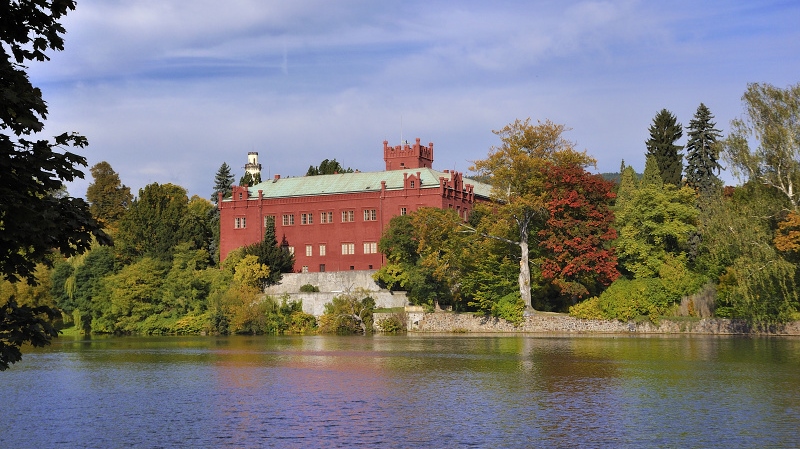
point(408, 391)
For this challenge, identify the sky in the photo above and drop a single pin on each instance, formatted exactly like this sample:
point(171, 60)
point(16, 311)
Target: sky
point(168, 90)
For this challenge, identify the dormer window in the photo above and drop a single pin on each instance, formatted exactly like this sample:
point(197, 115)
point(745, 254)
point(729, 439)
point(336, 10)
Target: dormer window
point(412, 184)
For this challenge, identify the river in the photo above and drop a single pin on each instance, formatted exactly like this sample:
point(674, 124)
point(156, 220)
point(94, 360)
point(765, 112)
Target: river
point(405, 391)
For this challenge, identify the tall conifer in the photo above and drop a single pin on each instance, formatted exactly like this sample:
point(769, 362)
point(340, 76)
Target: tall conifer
point(664, 132)
point(702, 152)
point(223, 182)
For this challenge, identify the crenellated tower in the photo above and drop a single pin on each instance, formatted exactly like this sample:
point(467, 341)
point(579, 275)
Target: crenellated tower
point(406, 156)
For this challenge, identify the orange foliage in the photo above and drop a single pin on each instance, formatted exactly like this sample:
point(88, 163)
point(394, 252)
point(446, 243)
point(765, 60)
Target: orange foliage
point(787, 238)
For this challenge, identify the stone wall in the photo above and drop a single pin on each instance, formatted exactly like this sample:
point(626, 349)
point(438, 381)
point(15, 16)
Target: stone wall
point(556, 323)
point(332, 284)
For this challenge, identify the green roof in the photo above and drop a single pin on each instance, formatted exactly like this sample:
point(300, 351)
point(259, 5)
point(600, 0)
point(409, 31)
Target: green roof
point(354, 182)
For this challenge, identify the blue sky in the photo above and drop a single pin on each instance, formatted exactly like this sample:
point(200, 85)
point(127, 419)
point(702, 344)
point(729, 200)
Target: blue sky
point(167, 90)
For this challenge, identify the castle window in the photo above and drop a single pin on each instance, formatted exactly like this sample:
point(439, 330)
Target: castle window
point(322, 268)
point(291, 250)
point(288, 219)
point(348, 248)
point(305, 269)
point(309, 250)
point(306, 219)
point(370, 215)
point(322, 250)
point(348, 216)
point(412, 184)
point(370, 247)
point(269, 220)
point(240, 223)
point(402, 211)
point(326, 217)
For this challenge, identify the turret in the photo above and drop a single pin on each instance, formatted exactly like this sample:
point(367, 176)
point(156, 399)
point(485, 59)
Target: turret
point(406, 156)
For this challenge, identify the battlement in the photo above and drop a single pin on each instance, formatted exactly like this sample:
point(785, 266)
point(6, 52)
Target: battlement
point(405, 156)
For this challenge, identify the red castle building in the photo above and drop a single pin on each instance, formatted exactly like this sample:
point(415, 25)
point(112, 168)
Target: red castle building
point(334, 222)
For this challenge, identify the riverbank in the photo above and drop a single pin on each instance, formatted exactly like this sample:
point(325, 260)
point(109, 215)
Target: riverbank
point(543, 322)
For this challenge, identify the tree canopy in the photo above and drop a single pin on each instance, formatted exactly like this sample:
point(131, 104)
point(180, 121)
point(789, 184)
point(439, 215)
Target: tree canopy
point(327, 167)
point(108, 198)
point(772, 117)
point(520, 197)
point(35, 218)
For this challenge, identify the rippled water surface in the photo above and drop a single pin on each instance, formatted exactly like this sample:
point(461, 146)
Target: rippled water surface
point(405, 391)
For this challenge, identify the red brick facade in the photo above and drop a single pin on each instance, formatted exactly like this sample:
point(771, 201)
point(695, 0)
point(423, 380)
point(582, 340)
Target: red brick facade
point(334, 222)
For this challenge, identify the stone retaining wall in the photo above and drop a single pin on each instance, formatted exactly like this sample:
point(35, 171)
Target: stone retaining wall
point(332, 284)
point(545, 322)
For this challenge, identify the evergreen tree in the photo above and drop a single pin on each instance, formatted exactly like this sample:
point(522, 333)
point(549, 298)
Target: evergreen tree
point(664, 132)
point(651, 175)
point(702, 153)
point(328, 167)
point(223, 182)
point(627, 187)
point(269, 253)
point(108, 197)
point(249, 179)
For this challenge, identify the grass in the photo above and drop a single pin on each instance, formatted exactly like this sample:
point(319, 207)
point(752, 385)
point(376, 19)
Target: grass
point(389, 310)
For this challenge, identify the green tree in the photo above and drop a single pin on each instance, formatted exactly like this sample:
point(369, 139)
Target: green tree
point(270, 253)
point(651, 176)
point(348, 313)
point(664, 132)
point(755, 281)
point(34, 220)
point(657, 222)
point(108, 197)
point(702, 153)
point(628, 184)
point(772, 116)
point(403, 269)
point(223, 182)
point(327, 167)
point(135, 296)
point(521, 198)
point(154, 223)
point(248, 179)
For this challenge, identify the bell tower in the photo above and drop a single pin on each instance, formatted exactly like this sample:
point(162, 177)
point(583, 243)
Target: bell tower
point(252, 166)
point(406, 156)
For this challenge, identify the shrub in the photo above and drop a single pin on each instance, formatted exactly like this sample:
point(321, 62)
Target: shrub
point(510, 307)
point(588, 309)
point(627, 299)
point(347, 314)
point(308, 288)
point(393, 324)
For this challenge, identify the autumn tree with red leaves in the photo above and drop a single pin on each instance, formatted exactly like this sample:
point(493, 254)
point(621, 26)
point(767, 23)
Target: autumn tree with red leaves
point(578, 257)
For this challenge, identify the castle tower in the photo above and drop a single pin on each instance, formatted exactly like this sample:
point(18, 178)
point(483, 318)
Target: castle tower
point(406, 156)
point(252, 166)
